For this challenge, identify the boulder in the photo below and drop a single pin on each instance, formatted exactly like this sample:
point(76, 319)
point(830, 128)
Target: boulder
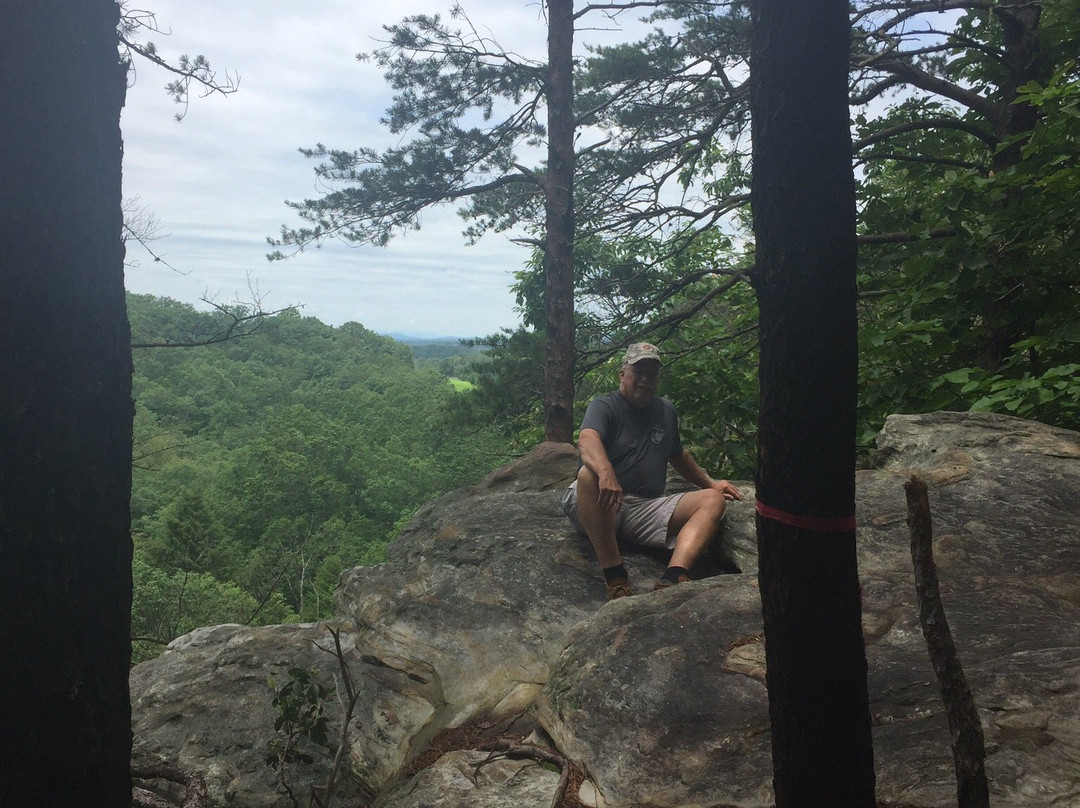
point(490, 611)
point(205, 705)
point(660, 699)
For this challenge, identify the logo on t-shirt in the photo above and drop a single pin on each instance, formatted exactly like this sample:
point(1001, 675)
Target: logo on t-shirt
point(657, 435)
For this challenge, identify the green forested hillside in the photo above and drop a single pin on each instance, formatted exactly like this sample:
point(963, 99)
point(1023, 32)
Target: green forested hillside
point(267, 464)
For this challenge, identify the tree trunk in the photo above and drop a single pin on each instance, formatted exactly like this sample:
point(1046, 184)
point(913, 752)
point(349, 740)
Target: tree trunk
point(1023, 64)
point(1003, 321)
point(65, 410)
point(804, 222)
point(559, 223)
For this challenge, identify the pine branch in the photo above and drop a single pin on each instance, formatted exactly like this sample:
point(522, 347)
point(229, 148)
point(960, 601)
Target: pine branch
point(188, 69)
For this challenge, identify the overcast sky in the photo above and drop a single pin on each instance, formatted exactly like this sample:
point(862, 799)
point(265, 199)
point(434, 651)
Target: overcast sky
point(218, 180)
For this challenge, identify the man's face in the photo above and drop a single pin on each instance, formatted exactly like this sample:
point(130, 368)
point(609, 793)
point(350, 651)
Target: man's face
point(638, 382)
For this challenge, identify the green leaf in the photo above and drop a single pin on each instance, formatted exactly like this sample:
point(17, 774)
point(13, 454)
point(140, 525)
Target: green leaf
point(958, 376)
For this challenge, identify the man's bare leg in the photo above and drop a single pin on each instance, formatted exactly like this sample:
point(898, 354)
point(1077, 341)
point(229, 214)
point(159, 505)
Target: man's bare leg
point(599, 523)
point(695, 521)
point(598, 520)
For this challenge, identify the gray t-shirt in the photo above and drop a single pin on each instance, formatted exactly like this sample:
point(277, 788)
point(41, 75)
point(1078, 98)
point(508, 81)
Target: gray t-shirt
point(639, 441)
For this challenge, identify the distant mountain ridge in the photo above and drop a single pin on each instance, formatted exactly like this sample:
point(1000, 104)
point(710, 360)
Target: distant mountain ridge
point(423, 339)
point(437, 347)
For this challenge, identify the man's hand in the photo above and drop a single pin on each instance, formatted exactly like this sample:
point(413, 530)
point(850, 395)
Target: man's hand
point(729, 491)
point(690, 471)
point(611, 493)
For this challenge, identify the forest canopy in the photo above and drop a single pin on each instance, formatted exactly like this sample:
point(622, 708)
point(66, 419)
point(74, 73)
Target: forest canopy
point(266, 465)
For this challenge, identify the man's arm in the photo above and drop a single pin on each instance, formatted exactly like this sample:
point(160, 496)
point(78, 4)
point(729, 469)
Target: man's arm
point(690, 471)
point(595, 458)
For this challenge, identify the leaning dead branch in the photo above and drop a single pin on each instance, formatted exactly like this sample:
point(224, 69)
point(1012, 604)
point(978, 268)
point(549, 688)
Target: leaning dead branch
point(969, 753)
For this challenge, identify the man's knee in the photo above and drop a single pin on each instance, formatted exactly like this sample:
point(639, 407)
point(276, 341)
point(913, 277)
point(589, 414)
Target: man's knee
point(711, 504)
point(703, 507)
point(588, 490)
point(587, 479)
point(718, 501)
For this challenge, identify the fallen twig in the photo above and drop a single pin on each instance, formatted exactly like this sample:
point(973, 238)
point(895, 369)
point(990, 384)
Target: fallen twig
point(510, 749)
point(195, 793)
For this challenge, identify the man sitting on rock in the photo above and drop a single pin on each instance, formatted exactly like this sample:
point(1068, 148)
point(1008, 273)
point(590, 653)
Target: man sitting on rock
point(627, 438)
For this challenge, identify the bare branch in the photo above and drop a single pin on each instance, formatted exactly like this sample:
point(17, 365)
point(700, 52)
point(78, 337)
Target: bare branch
point(152, 640)
point(663, 326)
point(928, 123)
point(909, 10)
point(241, 319)
point(136, 458)
point(613, 9)
point(510, 749)
point(910, 74)
point(870, 239)
point(195, 796)
point(874, 90)
point(902, 157)
point(348, 709)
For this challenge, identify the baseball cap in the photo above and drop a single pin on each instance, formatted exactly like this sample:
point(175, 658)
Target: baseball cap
point(640, 350)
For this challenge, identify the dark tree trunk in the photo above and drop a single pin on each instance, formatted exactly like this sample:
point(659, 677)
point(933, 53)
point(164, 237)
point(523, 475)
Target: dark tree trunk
point(65, 410)
point(804, 223)
point(1003, 322)
point(1023, 64)
point(559, 223)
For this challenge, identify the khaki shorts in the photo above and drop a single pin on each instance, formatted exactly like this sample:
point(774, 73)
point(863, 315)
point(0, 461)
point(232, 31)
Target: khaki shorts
point(640, 520)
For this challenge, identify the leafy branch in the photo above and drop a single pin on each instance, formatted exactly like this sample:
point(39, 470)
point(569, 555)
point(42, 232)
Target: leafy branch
point(301, 705)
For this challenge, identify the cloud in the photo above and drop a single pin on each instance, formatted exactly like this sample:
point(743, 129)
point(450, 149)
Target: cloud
point(218, 180)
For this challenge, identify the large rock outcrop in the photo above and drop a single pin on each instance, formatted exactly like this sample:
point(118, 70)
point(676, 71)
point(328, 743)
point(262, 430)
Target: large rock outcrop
point(490, 611)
